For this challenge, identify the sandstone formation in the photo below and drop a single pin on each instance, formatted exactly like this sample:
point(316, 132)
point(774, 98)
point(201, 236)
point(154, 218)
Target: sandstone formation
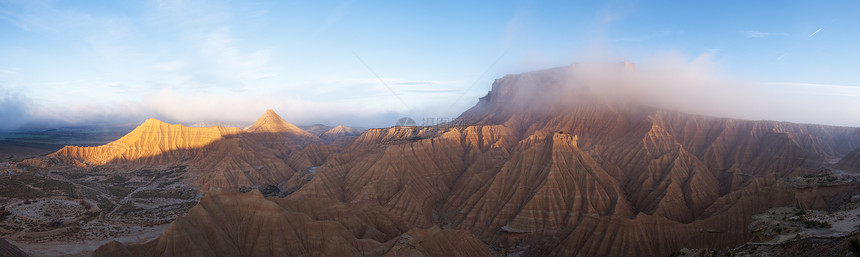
point(548, 164)
point(152, 142)
point(230, 224)
point(340, 133)
point(851, 161)
point(316, 129)
point(435, 241)
point(219, 158)
point(565, 171)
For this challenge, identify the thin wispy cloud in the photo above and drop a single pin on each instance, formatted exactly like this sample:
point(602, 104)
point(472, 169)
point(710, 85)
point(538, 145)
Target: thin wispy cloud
point(57, 54)
point(761, 34)
point(813, 33)
point(7, 73)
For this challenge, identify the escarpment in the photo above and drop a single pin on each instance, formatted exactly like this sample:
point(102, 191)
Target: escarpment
point(217, 158)
point(547, 164)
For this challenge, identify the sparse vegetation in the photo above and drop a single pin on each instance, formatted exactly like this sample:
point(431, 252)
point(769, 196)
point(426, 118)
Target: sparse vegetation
point(815, 224)
point(268, 190)
point(800, 212)
point(181, 194)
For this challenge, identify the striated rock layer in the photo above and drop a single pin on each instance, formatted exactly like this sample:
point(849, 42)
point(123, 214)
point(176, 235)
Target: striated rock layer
point(851, 161)
point(551, 164)
point(551, 167)
point(271, 151)
point(340, 134)
point(230, 224)
point(9, 250)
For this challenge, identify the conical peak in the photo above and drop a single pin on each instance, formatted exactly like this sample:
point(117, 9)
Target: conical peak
point(272, 122)
point(342, 128)
point(152, 121)
point(149, 124)
point(343, 131)
point(270, 112)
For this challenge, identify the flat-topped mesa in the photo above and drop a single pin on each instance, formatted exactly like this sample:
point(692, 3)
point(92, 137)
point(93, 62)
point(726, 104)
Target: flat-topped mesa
point(552, 91)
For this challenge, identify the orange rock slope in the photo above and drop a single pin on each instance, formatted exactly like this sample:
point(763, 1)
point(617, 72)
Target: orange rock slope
point(560, 173)
point(548, 166)
point(268, 152)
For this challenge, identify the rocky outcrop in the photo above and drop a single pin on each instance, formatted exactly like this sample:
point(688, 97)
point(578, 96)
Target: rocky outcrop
point(568, 171)
point(340, 133)
point(231, 224)
point(548, 164)
point(153, 142)
point(851, 161)
point(435, 241)
point(218, 158)
point(272, 124)
point(316, 129)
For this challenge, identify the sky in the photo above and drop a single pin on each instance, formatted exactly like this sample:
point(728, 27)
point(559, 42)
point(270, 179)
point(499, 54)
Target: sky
point(368, 63)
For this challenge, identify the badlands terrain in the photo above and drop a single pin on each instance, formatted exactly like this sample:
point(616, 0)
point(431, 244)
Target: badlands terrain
point(546, 165)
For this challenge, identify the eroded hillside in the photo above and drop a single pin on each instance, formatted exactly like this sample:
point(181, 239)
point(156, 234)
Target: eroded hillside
point(547, 165)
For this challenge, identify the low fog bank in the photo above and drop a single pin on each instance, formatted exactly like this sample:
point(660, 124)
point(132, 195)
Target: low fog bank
point(202, 109)
point(14, 109)
point(696, 85)
point(671, 81)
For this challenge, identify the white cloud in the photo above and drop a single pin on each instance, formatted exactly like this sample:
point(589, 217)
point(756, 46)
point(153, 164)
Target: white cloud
point(14, 109)
point(816, 32)
point(694, 85)
point(245, 108)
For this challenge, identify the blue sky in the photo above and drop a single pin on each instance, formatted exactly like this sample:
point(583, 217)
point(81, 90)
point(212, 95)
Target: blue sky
point(367, 63)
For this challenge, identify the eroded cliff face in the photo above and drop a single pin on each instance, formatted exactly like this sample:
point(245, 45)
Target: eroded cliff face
point(10, 250)
point(269, 152)
point(340, 133)
point(152, 142)
point(584, 174)
point(231, 224)
point(548, 165)
point(851, 161)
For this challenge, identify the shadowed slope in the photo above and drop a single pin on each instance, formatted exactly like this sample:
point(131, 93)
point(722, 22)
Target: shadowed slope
point(218, 158)
point(10, 250)
point(549, 166)
point(851, 161)
point(230, 224)
point(624, 174)
point(340, 133)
